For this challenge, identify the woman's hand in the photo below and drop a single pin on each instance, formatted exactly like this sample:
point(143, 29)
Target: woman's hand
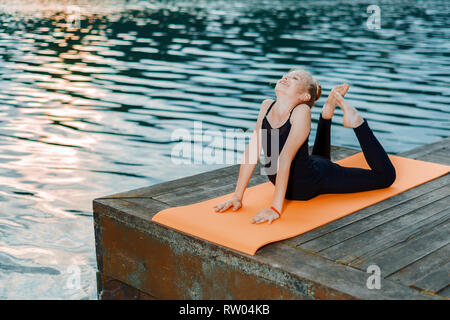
point(265, 215)
point(234, 202)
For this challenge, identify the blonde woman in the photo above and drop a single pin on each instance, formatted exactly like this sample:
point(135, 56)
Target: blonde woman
point(300, 176)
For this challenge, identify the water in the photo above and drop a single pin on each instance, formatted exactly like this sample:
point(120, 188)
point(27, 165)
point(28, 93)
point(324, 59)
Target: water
point(87, 112)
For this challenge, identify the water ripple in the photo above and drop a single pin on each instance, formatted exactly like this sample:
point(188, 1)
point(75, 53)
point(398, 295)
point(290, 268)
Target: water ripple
point(89, 111)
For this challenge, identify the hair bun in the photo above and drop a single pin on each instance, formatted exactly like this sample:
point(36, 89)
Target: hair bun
point(318, 90)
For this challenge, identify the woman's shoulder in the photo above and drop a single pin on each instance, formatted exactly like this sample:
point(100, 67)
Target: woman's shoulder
point(265, 105)
point(268, 101)
point(263, 108)
point(300, 111)
point(302, 106)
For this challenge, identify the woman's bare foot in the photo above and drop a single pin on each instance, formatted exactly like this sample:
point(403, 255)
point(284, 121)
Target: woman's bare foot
point(330, 104)
point(352, 118)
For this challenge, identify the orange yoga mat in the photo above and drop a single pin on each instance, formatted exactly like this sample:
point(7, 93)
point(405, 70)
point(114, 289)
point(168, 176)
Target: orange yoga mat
point(234, 230)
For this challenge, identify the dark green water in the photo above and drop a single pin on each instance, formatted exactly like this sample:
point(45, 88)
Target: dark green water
point(89, 111)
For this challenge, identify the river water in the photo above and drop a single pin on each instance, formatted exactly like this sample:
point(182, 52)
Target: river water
point(91, 92)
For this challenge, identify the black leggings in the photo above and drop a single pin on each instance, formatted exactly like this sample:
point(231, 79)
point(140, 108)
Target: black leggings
point(339, 179)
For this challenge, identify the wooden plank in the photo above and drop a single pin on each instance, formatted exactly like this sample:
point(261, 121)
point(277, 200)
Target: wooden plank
point(398, 200)
point(120, 209)
point(437, 158)
point(412, 249)
point(434, 281)
point(433, 262)
point(357, 250)
point(423, 267)
point(445, 292)
point(443, 152)
point(431, 273)
point(400, 215)
point(438, 146)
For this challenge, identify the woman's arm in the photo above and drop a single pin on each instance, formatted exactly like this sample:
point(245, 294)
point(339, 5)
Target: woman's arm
point(252, 153)
point(248, 163)
point(301, 125)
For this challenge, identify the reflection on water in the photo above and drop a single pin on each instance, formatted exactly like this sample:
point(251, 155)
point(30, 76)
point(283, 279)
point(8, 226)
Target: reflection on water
point(89, 111)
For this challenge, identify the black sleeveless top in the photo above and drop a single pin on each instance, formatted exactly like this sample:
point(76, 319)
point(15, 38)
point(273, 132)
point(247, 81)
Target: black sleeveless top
point(305, 176)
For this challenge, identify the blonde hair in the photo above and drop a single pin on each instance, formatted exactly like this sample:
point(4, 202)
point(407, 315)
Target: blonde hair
point(314, 87)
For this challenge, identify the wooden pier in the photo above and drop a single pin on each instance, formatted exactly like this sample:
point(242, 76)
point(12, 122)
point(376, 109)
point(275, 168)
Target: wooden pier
point(407, 236)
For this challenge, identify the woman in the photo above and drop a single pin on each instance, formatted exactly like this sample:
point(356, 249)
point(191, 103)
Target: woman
point(301, 176)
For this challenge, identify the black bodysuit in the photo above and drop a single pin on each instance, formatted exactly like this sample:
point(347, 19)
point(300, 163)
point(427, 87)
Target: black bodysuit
point(311, 175)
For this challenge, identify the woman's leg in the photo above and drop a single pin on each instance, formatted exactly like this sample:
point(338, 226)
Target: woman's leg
point(323, 134)
point(341, 179)
point(323, 138)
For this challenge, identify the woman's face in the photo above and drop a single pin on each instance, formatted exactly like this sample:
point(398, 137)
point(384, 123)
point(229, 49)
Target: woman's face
point(292, 84)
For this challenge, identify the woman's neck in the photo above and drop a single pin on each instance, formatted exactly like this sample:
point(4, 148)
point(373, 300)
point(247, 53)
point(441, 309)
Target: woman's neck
point(284, 106)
